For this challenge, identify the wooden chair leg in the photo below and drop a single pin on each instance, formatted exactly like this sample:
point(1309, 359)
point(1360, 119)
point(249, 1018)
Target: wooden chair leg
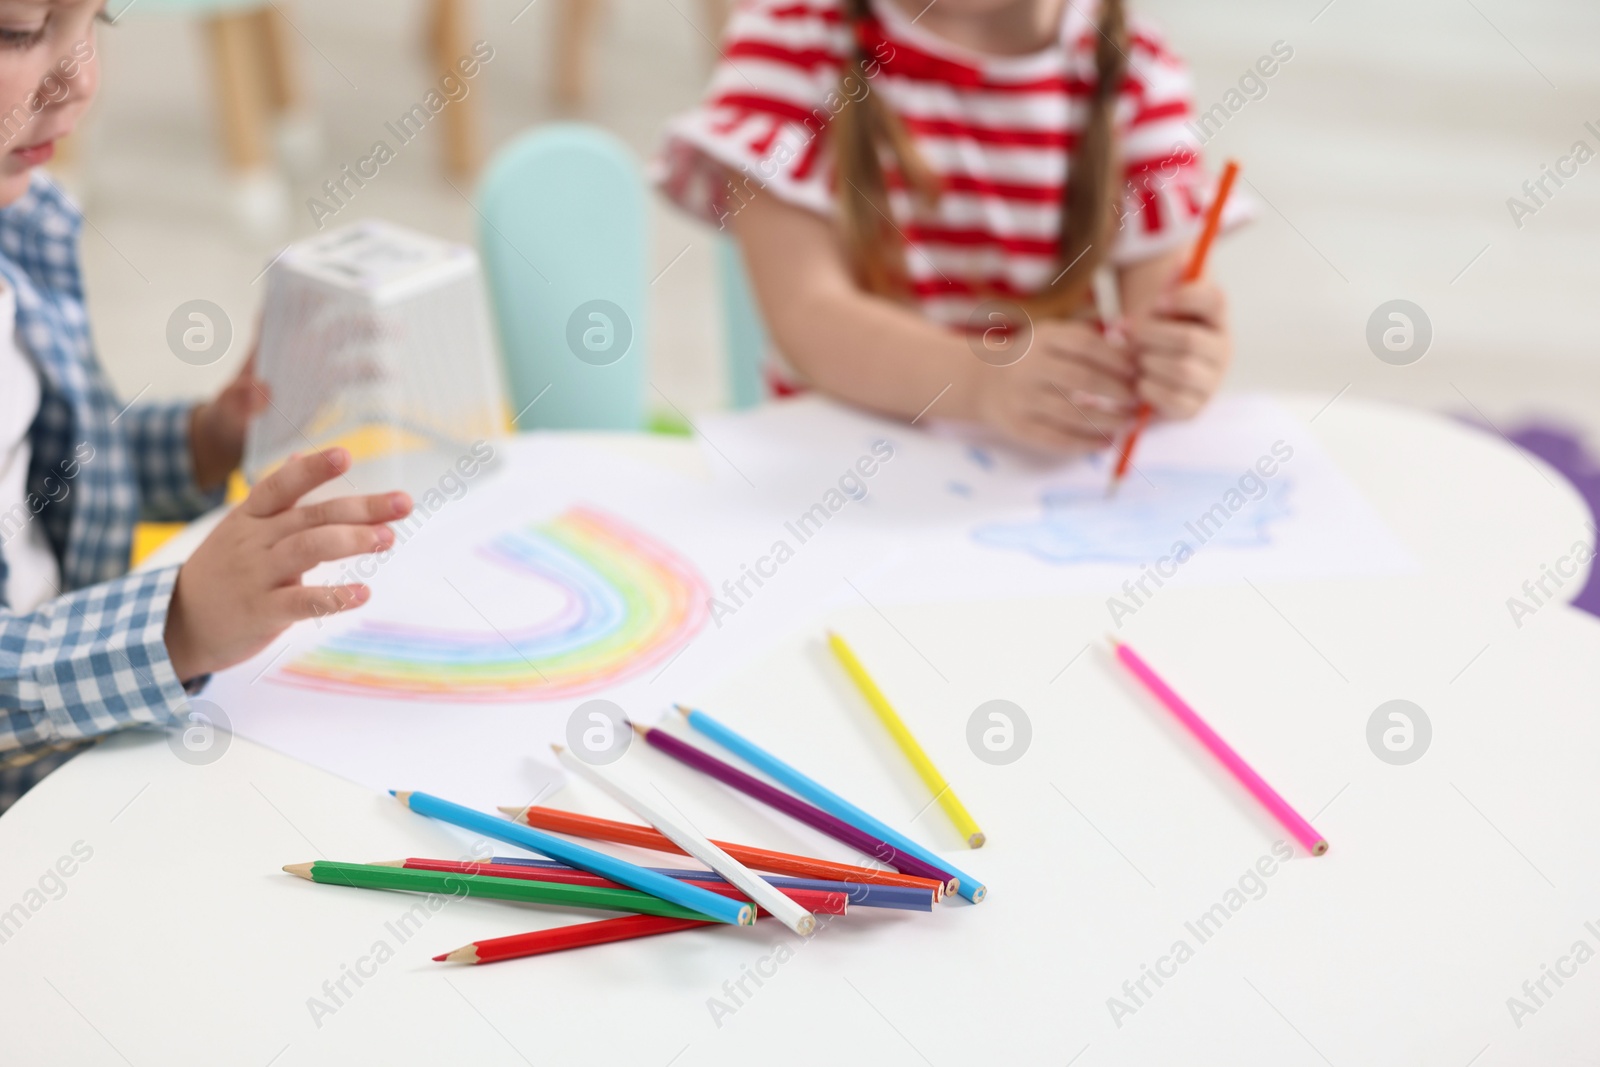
point(240, 90)
point(448, 37)
point(284, 89)
point(573, 41)
point(716, 16)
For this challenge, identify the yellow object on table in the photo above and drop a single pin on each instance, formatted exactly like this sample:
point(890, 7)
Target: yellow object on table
point(965, 823)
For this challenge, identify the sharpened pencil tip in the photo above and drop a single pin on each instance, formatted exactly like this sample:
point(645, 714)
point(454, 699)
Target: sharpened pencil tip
point(402, 795)
point(557, 749)
point(685, 712)
point(511, 810)
point(640, 730)
point(441, 957)
point(387, 863)
point(1112, 640)
point(299, 870)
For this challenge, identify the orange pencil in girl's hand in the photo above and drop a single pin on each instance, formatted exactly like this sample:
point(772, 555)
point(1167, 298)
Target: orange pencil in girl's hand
point(1196, 267)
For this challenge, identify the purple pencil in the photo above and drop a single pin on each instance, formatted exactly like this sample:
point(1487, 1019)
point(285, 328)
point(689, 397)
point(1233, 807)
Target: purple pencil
point(794, 807)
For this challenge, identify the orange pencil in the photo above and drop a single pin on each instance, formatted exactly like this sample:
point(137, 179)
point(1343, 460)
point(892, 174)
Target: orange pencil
point(1196, 267)
point(556, 821)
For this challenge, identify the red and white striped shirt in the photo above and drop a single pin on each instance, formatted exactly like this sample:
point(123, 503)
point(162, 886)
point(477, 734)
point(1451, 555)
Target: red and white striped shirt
point(997, 131)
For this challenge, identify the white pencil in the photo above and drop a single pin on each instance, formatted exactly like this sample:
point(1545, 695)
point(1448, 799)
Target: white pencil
point(696, 845)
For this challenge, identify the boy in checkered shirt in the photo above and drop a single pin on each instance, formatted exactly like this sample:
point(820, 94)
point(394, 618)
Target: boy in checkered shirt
point(85, 647)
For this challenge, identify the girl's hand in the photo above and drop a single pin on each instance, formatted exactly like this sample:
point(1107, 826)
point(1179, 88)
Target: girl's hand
point(241, 588)
point(1071, 392)
point(217, 428)
point(1182, 348)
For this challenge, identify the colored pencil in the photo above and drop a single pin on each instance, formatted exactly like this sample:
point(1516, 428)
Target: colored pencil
point(904, 898)
point(577, 935)
point(593, 828)
point(549, 871)
point(694, 843)
point(689, 896)
point(1213, 223)
point(379, 876)
point(1303, 831)
point(965, 824)
point(1191, 273)
point(821, 796)
point(795, 808)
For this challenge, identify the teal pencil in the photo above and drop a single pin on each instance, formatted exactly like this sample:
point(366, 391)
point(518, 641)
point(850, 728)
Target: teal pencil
point(685, 894)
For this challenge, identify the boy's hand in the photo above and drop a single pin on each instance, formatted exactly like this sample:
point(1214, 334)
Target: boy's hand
point(1071, 392)
point(217, 427)
point(241, 588)
point(1182, 348)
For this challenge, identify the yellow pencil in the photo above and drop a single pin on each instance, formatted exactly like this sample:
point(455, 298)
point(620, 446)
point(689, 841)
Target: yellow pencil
point(908, 744)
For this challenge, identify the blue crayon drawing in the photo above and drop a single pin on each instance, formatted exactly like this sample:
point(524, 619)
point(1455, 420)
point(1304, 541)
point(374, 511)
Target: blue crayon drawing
point(1195, 507)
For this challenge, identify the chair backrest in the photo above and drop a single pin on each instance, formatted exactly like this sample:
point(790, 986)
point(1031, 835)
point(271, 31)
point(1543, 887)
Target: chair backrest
point(563, 233)
point(744, 335)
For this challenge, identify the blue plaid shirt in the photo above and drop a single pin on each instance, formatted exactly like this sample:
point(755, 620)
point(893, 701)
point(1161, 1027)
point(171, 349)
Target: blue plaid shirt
point(94, 659)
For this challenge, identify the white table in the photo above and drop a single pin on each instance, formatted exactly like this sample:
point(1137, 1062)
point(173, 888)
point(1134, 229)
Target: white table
point(1450, 881)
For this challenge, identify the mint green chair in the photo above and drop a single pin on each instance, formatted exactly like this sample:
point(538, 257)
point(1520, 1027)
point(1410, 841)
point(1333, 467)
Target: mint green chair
point(564, 236)
point(744, 335)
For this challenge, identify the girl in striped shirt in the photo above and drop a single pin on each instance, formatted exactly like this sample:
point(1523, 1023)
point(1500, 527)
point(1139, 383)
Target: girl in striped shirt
point(907, 178)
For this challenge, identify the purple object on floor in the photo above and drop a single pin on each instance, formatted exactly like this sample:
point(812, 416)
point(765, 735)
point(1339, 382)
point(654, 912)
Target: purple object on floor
point(1564, 450)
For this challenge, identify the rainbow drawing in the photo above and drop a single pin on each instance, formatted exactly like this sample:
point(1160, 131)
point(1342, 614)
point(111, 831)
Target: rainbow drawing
point(628, 603)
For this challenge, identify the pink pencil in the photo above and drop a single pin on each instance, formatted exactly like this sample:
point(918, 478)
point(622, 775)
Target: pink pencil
point(1303, 831)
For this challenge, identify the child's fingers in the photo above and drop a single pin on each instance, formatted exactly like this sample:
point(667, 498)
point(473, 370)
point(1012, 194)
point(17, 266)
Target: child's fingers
point(298, 553)
point(1077, 344)
point(1044, 432)
point(258, 396)
point(378, 507)
point(1180, 372)
point(1117, 392)
point(1164, 336)
point(1086, 419)
point(1065, 416)
point(293, 480)
point(312, 601)
point(1169, 401)
point(1199, 301)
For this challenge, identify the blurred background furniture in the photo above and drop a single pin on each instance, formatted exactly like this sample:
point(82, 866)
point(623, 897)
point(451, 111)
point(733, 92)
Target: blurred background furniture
point(564, 240)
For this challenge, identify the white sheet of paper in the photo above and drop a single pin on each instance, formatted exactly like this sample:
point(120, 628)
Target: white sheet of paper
point(340, 692)
point(1241, 492)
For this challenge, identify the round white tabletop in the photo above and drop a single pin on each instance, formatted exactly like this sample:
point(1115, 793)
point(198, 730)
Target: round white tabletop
point(1141, 909)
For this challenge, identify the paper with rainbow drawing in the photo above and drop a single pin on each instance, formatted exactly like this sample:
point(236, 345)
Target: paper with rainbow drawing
point(568, 574)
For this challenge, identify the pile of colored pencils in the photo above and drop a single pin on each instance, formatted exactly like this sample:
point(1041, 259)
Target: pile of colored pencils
point(735, 884)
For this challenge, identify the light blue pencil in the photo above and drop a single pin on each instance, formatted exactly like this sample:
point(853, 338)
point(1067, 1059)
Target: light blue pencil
point(825, 798)
point(687, 894)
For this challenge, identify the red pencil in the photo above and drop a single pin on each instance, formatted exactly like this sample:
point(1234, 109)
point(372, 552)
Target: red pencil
point(1191, 273)
point(556, 821)
point(578, 935)
point(814, 900)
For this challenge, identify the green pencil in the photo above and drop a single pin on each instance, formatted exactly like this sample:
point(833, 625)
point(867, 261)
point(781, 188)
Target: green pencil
point(378, 876)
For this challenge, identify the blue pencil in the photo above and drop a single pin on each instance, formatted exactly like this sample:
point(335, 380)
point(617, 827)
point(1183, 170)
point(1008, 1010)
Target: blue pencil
point(722, 909)
point(825, 798)
point(902, 897)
